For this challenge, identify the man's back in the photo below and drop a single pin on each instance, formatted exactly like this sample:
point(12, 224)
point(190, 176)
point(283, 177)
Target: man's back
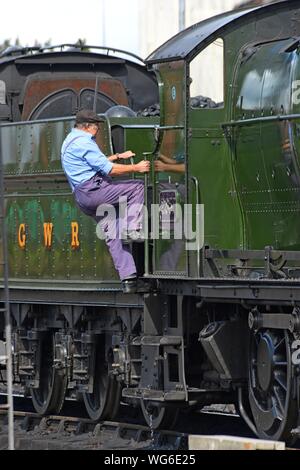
point(82, 159)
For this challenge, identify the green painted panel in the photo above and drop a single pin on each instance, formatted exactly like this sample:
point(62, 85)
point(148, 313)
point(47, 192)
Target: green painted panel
point(211, 165)
point(89, 262)
point(45, 201)
point(265, 162)
point(30, 149)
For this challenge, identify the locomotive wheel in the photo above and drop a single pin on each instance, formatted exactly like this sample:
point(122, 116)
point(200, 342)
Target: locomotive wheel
point(104, 402)
point(49, 397)
point(271, 381)
point(159, 417)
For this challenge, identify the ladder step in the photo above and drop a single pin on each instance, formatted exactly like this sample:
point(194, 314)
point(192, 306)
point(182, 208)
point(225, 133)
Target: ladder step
point(157, 341)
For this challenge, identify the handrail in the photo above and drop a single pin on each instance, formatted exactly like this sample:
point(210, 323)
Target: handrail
point(146, 221)
point(18, 51)
point(199, 249)
point(151, 126)
point(86, 46)
point(261, 119)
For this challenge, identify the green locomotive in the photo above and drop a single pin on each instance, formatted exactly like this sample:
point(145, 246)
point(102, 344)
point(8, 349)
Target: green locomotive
point(217, 317)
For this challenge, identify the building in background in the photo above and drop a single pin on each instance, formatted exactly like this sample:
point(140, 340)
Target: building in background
point(159, 21)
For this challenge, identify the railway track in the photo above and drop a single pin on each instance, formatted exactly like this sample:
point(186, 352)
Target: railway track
point(33, 432)
point(72, 430)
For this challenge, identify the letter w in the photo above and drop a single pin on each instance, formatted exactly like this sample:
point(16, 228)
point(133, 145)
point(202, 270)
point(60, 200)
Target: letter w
point(153, 459)
point(48, 231)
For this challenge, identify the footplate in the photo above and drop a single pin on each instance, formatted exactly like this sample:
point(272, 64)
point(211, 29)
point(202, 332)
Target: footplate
point(154, 395)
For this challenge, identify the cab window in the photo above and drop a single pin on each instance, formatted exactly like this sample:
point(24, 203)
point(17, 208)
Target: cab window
point(207, 77)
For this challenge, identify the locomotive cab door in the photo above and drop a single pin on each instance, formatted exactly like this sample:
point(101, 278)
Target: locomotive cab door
point(265, 154)
point(169, 174)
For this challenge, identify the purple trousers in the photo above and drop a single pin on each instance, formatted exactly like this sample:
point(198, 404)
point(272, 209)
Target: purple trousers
point(101, 191)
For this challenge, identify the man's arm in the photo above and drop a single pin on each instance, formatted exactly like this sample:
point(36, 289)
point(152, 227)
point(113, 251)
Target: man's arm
point(119, 170)
point(99, 162)
point(121, 156)
point(166, 159)
point(169, 168)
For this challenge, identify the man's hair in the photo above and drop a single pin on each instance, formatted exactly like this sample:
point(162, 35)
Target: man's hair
point(84, 125)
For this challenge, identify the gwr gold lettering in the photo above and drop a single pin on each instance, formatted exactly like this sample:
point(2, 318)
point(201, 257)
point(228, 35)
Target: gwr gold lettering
point(75, 243)
point(22, 236)
point(48, 235)
point(48, 232)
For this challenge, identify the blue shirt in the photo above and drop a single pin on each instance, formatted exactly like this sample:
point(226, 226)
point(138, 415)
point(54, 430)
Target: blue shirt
point(82, 159)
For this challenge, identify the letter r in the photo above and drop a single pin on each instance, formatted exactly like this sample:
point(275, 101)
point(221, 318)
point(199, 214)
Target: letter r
point(75, 243)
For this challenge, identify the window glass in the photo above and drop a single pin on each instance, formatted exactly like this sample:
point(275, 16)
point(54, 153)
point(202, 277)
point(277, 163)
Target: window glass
point(207, 77)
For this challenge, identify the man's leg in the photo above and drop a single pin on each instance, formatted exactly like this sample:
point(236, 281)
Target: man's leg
point(121, 254)
point(91, 195)
point(114, 192)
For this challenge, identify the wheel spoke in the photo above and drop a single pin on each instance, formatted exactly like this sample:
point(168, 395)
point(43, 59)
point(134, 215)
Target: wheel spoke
point(277, 414)
point(279, 400)
point(279, 344)
point(282, 385)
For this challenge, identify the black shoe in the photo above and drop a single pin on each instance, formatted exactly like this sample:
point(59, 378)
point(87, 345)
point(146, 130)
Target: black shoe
point(130, 286)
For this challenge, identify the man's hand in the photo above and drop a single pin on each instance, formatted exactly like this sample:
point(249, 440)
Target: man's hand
point(142, 167)
point(160, 166)
point(126, 155)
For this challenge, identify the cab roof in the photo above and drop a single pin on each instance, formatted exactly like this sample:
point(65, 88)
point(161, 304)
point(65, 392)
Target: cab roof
point(186, 44)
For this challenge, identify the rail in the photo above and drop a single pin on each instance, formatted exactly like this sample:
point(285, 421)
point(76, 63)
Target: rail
point(199, 249)
point(19, 50)
point(45, 427)
point(83, 47)
point(261, 119)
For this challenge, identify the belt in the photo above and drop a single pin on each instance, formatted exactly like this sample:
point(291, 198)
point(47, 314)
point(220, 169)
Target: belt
point(97, 177)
